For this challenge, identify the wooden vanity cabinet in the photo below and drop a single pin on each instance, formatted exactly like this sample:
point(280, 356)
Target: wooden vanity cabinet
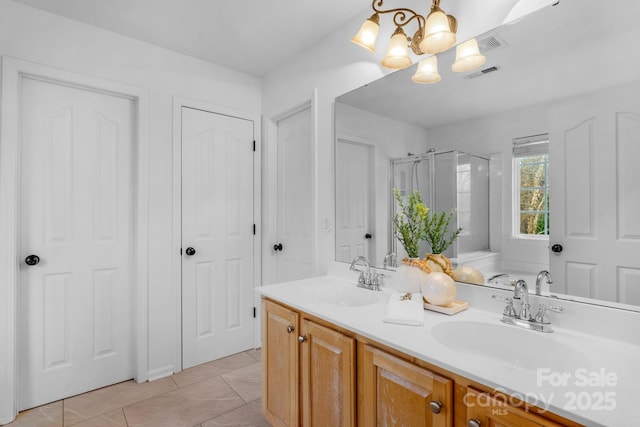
point(308, 371)
point(395, 392)
point(280, 384)
point(486, 410)
point(315, 374)
point(328, 377)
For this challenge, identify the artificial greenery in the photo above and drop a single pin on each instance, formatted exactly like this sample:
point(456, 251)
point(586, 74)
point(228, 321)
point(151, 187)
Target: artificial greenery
point(409, 223)
point(435, 229)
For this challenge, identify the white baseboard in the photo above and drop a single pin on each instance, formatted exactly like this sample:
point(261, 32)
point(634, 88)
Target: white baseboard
point(159, 373)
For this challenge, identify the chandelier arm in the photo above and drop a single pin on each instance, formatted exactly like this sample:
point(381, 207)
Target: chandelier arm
point(400, 14)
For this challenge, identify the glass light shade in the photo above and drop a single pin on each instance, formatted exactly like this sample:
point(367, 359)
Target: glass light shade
point(468, 57)
point(368, 34)
point(397, 52)
point(427, 72)
point(438, 36)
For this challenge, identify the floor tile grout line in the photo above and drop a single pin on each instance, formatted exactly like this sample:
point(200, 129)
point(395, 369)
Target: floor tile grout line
point(124, 414)
point(233, 389)
point(230, 410)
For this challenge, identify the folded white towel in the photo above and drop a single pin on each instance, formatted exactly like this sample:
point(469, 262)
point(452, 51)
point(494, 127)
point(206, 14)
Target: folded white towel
point(405, 311)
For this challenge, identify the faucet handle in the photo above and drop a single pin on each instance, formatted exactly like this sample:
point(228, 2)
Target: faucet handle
point(555, 308)
point(509, 311)
point(541, 316)
point(376, 280)
point(361, 278)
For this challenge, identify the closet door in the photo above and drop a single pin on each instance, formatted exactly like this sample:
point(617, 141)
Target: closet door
point(595, 205)
point(217, 236)
point(76, 190)
point(295, 242)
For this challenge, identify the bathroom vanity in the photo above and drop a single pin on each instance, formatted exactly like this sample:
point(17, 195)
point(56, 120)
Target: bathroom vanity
point(329, 359)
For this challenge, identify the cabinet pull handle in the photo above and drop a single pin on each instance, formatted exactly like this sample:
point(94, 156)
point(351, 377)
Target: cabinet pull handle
point(474, 423)
point(435, 406)
point(302, 338)
point(290, 329)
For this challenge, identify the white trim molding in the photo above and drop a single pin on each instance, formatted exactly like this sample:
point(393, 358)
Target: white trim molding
point(13, 71)
point(178, 103)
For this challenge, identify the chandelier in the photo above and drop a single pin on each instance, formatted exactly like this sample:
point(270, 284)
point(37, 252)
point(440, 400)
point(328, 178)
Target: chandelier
point(435, 34)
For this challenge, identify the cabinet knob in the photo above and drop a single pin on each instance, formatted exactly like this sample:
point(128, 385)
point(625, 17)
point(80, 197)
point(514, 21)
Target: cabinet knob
point(435, 406)
point(302, 338)
point(290, 329)
point(474, 423)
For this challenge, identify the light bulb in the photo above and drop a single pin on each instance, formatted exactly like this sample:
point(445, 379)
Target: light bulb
point(368, 33)
point(427, 72)
point(468, 57)
point(438, 36)
point(398, 51)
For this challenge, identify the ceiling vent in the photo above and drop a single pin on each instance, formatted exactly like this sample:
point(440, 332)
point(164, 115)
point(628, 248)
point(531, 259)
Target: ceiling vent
point(491, 42)
point(481, 72)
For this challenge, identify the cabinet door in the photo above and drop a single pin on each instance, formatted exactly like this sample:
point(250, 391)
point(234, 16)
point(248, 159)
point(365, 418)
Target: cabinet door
point(394, 392)
point(280, 365)
point(488, 411)
point(328, 376)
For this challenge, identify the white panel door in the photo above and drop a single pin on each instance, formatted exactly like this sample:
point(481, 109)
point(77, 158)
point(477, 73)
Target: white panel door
point(217, 224)
point(295, 198)
point(76, 216)
point(594, 149)
point(354, 236)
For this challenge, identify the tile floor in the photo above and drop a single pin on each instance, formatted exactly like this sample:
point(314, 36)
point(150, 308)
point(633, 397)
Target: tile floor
point(225, 392)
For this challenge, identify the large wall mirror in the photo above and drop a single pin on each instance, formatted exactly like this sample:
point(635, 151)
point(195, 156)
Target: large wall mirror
point(555, 111)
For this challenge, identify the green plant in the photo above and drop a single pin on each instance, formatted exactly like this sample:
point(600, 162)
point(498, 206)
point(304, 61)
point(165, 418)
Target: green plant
point(409, 223)
point(436, 227)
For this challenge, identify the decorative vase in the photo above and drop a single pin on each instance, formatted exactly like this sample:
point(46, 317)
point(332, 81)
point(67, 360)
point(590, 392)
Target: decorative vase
point(439, 289)
point(438, 263)
point(409, 278)
point(468, 274)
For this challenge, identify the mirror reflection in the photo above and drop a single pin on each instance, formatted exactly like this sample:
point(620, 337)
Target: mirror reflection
point(551, 122)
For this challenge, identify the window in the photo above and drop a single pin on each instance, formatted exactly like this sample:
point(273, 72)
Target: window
point(531, 185)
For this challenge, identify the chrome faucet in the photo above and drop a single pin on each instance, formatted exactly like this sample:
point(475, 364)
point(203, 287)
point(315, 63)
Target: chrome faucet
point(543, 274)
point(366, 279)
point(523, 318)
point(521, 292)
point(389, 260)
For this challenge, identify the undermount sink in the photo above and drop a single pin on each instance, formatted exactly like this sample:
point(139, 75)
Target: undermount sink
point(345, 295)
point(517, 348)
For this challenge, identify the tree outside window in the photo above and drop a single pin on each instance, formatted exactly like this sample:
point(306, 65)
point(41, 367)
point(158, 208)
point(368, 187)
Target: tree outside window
point(531, 186)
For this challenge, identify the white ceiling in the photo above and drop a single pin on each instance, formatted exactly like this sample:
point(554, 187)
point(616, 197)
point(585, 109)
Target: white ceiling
point(250, 36)
point(575, 47)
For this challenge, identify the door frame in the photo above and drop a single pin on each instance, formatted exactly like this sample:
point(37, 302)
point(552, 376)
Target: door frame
point(178, 103)
point(13, 71)
point(270, 182)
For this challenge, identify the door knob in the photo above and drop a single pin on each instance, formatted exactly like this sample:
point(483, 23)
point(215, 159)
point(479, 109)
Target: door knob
point(190, 251)
point(302, 338)
point(290, 329)
point(32, 260)
point(557, 248)
point(367, 236)
point(474, 423)
point(435, 406)
point(277, 247)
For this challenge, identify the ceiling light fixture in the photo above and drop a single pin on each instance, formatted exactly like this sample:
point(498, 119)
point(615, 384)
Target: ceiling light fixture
point(435, 34)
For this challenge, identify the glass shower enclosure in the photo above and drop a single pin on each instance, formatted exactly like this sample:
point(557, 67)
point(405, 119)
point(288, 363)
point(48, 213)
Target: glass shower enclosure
point(446, 181)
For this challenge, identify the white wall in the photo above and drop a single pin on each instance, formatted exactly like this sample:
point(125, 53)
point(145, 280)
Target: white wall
point(40, 37)
point(390, 139)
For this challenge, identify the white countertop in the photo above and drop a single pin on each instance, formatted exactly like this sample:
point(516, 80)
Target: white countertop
point(589, 359)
